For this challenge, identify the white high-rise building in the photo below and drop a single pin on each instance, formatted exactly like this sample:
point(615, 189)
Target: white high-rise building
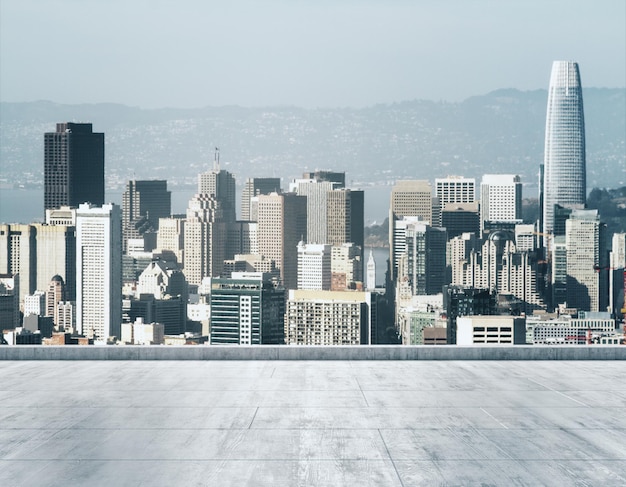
point(314, 266)
point(500, 199)
point(454, 189)
point(564, 180)
point(99, 270)
point(35, 304)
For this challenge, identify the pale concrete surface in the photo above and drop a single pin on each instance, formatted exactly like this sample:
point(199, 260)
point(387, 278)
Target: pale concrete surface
point(319, 423)
point(281, 352)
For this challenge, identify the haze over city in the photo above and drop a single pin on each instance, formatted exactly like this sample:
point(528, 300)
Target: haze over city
point(311, 54)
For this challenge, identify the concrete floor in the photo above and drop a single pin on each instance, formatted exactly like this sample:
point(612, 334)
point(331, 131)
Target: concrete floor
point(319, 423)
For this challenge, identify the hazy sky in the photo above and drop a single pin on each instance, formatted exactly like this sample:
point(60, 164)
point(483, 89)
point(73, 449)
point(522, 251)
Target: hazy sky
point(313, 53)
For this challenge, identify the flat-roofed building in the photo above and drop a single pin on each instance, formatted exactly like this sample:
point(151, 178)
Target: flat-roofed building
point(329, 317)
point(491, 330)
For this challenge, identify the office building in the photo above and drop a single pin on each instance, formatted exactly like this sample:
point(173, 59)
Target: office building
point(346, 267)
point(254, 187)
point(491, 330)
point(422, 265)
point(18, 256)
point(55, 294)
point(345, 217)
point(205, 239)
point(314, 266)
point(409, 198)
point(247, 309)
point(55, 255)
point(460, 218)
point(171, 238)
point(587, 261)
point(35, 304)
point(98, 271)
point(316, 193)
point(143, 204)
point(329, 317)
point(466, 301)
point(458, 251)
point(220, 184)
point(500, 199)
point(282, 225)
point(564, 179)
point(456, 190)
point(73, 166)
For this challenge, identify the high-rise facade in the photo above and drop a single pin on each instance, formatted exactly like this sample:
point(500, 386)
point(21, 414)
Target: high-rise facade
point(346, 217)
point(247, 309)
point(500, 198)
point(314, 266)
point(409, 198)
point(56, 256)
point(254, 187)
point(18, 256)
point(204, 239)
point(454, 189)
point(73, 166)
point(99, 270)
point(143, 204)
point(564, 176)
point(316, 193)
point(282, 224)
point(586, 261)
point(220, 184)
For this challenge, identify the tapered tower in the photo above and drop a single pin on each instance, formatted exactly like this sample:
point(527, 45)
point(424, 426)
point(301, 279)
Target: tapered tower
point(564, 155)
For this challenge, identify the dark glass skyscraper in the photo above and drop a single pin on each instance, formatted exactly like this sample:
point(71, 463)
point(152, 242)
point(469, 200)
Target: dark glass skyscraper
point(564, 156)
point(73, 166)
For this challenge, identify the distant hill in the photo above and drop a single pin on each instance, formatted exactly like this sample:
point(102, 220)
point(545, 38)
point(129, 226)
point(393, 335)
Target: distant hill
point(501, 132)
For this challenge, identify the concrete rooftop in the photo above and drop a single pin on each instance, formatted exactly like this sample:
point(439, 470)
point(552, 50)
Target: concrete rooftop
point(319, 423)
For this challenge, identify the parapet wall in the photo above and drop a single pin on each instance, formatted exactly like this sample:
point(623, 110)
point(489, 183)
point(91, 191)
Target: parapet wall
point(269, 352)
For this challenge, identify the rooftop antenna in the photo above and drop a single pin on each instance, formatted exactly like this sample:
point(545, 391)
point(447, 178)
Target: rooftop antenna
point(216, 160)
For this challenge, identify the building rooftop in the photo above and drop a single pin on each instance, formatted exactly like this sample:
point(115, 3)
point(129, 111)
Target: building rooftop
point(311, 422)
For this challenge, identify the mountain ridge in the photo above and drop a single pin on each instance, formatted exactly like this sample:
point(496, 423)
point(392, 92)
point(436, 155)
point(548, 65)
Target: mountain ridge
point(499, 132)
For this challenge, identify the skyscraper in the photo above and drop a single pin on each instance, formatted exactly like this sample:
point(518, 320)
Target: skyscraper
point(204, 239)
point(99, 270)
point(408, 198)
point(586, 261)
point(143, 203)
point(220, 184)
point(455, 189)
point(500, 199)
point(73, 166)
point(564, 154)
point(247, 309)
point(255, 187)
point(282, 224)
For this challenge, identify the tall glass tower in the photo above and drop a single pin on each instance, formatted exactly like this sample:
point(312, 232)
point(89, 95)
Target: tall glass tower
point(564, 180)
